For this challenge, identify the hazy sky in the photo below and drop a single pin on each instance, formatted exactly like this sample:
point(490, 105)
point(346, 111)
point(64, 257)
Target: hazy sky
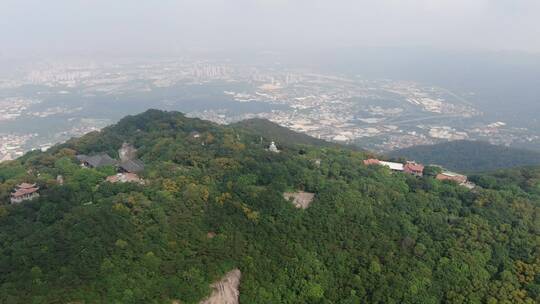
point(127, 25)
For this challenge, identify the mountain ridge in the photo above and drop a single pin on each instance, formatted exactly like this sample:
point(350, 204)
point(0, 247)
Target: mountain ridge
point(275, 131)
point(213, 200)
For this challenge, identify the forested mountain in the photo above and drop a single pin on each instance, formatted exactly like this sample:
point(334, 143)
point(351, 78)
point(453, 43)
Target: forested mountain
point(468, 156)
point(214, 202)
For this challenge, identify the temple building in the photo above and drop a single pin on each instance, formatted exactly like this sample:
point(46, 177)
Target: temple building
point(398, 167)
point(129, 163)
point(451, 176)
point(372, 161)
point(96, 161)
point(131, 166)
point(414, 169)
point(409, 168)
point(24, 192)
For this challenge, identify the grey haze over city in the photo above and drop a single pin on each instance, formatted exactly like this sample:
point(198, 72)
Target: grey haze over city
point(382, 75)
point(124, 25)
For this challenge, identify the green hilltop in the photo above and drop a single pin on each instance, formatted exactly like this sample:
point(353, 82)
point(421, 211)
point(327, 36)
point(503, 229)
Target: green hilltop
point(213, 200)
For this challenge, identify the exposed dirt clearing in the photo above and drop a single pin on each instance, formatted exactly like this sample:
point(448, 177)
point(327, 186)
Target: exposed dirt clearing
point(299, 199)
point(226, 290)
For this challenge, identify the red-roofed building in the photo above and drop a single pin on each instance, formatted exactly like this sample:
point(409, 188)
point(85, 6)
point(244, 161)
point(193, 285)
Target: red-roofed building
point(26, 186)
point(458, 178)
point(371, 161)
point(24, 192)
point(414, 168)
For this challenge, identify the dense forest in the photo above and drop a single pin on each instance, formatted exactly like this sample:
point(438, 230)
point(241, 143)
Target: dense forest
point(470, 156)
point(214, 202)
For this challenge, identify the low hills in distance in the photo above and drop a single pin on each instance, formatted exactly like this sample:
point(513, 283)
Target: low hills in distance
point(470, 156)
point(217, 208)
point(461, 155)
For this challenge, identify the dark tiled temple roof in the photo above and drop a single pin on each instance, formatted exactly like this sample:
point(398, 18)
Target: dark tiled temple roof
point(98, 160)
point(132, 166)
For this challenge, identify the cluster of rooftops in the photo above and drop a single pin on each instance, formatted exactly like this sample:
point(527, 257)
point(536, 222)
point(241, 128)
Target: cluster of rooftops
point(409, 167)
point(102, 160)
point(128, 167)
point(418, 170)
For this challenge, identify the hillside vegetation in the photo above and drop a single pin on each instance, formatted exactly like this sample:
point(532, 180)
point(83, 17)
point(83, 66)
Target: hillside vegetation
point(276, 132)
point(469, 156)
point(214, 203)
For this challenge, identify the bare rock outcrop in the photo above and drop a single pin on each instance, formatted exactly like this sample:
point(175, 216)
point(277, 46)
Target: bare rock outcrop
point(225, 291)
point(127, 152)
point(299, 199)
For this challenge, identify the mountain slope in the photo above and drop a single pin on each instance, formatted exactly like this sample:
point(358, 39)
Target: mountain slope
point(213, 203)
point(467, 156)
point(280, 134)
